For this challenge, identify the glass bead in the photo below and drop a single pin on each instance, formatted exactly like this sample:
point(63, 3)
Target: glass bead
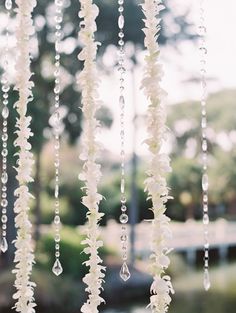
point(5, 88)
point(4, 203)
point(4, 219)
point(4, 178)
point(204, 145)
point(205, 183)
point(206, 280)
point(57, 254)
point(205, 219)
point(123, 237)
point(4, 152)
point(122, 185)
point(123, 208)
point(4, 137)
point(57, 238)
point(5, 112)
point(121, 21)
point(8, 4)
point(124, 218)
point(57, 219)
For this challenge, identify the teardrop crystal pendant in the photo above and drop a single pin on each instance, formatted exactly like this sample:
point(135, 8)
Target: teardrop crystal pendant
point(124, 272)
point(4, 245)
point(206, 280)
point(57, 268)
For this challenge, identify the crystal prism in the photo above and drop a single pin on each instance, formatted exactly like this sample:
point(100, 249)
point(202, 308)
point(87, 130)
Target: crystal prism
point(57, 268)
point(4, 245)
point(206, 280)
point(124, 272)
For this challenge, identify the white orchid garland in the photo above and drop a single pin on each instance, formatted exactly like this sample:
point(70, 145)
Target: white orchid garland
point(89, 82)
point(24, 257)
point(155, 184)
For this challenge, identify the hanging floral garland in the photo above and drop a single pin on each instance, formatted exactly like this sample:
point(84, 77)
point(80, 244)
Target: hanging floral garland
point(91, 174)
point(24, 257)
point(155, 184)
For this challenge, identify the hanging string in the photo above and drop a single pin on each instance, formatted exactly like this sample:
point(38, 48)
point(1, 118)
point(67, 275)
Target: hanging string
point(204, 94)
point(124, 272)
point(88, 81)
point(57, 267)
point(5, 114)
point(159, 162)
point(24, 256)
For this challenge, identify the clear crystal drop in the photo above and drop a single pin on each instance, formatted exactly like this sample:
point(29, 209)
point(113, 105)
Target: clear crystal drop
point(206, 280)
point(124, 272)
point(57, 268)
point(205, 182)
point(4, 245)
point(4, 178)
point(8, 4)
point(5, 112)
point(205, 219)
point(121, 21)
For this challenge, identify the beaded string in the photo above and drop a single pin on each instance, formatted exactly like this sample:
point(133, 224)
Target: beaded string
point(205, 184)
point(5, 114)
point(124, 272)
point(57, 267)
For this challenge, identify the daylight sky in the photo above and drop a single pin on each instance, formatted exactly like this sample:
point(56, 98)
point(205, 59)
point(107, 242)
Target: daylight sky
point(179, 68)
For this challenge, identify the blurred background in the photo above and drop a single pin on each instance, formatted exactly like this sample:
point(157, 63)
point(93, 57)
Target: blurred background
point(179, 46)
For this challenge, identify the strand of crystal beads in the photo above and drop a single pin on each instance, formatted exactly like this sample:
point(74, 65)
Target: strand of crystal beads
point(124, 272)
point(5, 114)
point(57, 267)
point(203, 62)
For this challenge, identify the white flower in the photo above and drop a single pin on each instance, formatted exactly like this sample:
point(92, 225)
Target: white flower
point(159, 165)
point(91, 173)
point(24, 257)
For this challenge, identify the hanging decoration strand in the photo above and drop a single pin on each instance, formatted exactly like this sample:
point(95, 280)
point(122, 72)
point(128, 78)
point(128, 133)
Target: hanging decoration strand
point(57, 267)
point(124, 272)
point(24, 257)
point(5, 114)
point(159, 165)
point(88, 81)
point(203, 61)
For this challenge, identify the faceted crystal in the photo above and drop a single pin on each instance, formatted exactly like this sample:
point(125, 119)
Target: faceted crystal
point(124, 272)
point(121, 21)
point(57, 268)
point(4, 245)
point(205, 182)
point(206, 280)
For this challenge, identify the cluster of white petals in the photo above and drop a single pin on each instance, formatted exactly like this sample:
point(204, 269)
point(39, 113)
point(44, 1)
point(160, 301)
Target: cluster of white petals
point(91, 174)
point(159, 166)
point(24, 256)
